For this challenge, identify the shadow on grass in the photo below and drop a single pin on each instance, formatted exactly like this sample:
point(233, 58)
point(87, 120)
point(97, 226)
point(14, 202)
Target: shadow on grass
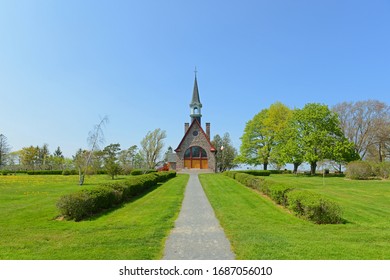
point(121, 205)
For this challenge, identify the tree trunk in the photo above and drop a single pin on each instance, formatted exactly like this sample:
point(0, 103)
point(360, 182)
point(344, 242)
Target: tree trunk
point(81, 177)
point(380, 153)
point(313, 166)
point(296, 165)
point(265, 164)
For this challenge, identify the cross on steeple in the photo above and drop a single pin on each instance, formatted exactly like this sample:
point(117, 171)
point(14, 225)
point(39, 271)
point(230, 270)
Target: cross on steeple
point(195, 71)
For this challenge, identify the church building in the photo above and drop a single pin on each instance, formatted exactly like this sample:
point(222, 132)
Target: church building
point(195, 150)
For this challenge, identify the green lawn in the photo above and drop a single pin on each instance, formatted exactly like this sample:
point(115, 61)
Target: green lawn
point(259, 229)
point(29, 229)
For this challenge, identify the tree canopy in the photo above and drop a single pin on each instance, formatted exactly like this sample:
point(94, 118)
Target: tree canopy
point(279, 135)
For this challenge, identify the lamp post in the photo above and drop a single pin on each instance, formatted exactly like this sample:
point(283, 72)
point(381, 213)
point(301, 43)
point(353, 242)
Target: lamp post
point(221, 168)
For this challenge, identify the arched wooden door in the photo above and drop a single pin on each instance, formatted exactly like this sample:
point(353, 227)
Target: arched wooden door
point(195, 157)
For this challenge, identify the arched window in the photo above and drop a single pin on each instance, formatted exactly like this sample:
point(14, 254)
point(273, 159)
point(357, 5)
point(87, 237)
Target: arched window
point(195, 157)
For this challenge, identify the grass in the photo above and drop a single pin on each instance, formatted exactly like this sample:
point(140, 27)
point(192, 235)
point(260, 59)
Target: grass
point(29, 229)
point(259, 229)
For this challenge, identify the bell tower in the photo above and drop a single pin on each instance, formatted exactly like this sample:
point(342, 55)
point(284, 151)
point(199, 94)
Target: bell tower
point(195, 105)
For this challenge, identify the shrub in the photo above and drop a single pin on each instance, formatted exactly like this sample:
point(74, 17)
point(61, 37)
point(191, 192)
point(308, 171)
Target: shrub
point(256, 183)
point(74, 206)
point(381, 169)
point(314, 207)
point(243, 178)
point(231, 174)
point(278, 193)
point(257, 172)
point(69, 172)
point(136, 172)
point(359, 170)
point(44, 172)
point(163, 176)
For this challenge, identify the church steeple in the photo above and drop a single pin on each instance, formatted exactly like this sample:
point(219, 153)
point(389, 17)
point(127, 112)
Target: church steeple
point(195, 104)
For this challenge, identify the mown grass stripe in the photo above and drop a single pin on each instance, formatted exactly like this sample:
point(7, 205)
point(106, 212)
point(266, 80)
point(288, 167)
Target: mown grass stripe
point(258, 229)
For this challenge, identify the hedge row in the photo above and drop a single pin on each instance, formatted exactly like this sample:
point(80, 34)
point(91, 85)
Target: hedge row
point(136, 172)
point(44, 172)
point(85, 203)
point(255, 172)
point(303, 203)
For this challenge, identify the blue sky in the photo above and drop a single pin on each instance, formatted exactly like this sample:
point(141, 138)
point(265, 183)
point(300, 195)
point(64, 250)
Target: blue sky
point(65, 64)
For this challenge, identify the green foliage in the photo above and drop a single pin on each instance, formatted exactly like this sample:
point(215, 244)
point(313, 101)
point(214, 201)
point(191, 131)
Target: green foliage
point(85, 203)
point(364, 170)
point(384, 169)
point(314, 207)
point(225, 156)
point(359, 170)
point(257, 172)
point(136, 172)
point(278, 192)
point(110, 156)
point(152, 145)
point(262, 134)
point(44, 172)
point(68, 172)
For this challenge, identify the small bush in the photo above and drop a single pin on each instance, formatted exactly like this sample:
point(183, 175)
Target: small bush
point(381, 169)
point(136, 172)
point(359, 170)
point(314, 207)
point(74, 206)
point(278, 193)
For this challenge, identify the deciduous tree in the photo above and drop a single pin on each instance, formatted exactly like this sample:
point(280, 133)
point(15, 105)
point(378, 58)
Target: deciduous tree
point(319, 132)
point(366, 124)
point(111, 164)
point(152, 145)
point(4, 150)
point(226, 153)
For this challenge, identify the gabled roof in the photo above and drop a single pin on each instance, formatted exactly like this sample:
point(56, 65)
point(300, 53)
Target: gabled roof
point(195, 122)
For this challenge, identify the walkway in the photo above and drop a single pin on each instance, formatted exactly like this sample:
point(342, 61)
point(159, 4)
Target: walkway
point(197, 234)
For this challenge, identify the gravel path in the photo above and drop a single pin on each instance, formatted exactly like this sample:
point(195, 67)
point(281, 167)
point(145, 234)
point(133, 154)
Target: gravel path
point(197, 234)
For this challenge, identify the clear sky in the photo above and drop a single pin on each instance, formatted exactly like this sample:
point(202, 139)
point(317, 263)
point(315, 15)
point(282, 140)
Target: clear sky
point(65, 64)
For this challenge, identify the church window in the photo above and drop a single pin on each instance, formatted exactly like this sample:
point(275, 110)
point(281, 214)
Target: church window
point(195, 152)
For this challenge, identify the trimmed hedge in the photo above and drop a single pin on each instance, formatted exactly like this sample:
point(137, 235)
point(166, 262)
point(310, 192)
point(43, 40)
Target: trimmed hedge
point(314, 207)
point(256, 172)
point(85, 203)
point(67, 172)
point(303, 203)
point(44, 172)
point(136, 172)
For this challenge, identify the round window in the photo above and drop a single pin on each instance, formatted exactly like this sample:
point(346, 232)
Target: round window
point(195, 133)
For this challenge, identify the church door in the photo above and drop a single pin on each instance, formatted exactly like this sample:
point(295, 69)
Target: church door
point(195, 157)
